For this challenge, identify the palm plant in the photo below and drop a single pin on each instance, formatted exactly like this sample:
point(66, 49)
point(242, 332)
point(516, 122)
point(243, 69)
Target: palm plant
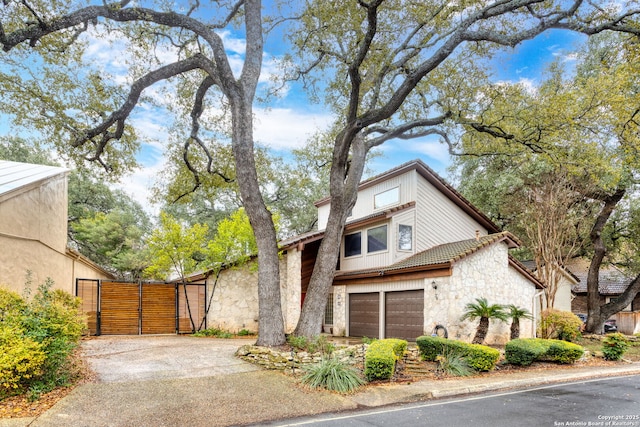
point(516, 313)
point(481, 309)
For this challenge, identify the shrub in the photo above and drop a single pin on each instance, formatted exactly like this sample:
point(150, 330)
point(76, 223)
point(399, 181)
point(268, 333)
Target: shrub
point(479, 357)
point(453, 363)
point(332, 374)
point(318, 344)
point(37, 339)
point(244, 333)
point(213, 332)
point(527, 350)
point(524, 351)
point(21, 360)
point(381, 357)
point(557, 324)
point(614, 346)
point(564, 352)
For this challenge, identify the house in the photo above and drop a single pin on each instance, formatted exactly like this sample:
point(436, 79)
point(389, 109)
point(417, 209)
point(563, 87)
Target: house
point(413, 254)
point(33, 229)
point(611, 283)
point(564, 293)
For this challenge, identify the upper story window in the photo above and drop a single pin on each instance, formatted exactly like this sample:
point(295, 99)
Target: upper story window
point(353, 244)
point(386, 198)
point(405, 237)
point(377, 239)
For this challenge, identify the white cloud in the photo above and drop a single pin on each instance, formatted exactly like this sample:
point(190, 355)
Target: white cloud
point(285, 128)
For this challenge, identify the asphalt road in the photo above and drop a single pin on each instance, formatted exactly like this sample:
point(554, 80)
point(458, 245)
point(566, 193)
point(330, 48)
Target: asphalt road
point(606, 402)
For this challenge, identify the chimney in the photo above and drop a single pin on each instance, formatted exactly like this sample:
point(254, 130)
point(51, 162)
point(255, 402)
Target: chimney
point(477, 235)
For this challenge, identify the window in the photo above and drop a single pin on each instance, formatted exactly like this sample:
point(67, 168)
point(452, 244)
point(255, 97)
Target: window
point(328, 311)
point(405, 237)
point(353, 244)
point(386, 198)
point(377, 239)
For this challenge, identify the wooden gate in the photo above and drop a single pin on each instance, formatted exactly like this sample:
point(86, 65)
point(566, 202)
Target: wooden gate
point(134, 308)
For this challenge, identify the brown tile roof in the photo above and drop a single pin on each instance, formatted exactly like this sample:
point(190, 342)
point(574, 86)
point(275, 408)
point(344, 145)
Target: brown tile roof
point(445, 254)
point(611, 281)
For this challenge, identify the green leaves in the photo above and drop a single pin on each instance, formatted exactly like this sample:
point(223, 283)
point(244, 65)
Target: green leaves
point(175, 249)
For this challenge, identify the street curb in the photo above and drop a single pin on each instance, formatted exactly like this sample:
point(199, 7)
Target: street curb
point(427, 390)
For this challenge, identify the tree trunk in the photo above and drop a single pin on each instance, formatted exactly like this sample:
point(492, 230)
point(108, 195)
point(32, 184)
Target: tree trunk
point(595, 315)
point(345, 177)
point(481, 332)
point(240, 95)
point(515, 329)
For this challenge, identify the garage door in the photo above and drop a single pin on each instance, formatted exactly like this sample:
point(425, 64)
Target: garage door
point(364, 315)
point(404, 314)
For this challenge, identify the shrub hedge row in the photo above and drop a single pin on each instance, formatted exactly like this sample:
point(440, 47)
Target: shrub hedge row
point(381, 356)
point(525, 351)
point(37, 338)
point(478, 357)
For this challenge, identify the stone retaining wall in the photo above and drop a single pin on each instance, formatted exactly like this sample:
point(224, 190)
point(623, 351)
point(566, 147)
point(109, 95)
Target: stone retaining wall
point(270, 358)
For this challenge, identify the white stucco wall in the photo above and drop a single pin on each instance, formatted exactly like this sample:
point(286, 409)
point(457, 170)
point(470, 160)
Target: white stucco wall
point(485, 274)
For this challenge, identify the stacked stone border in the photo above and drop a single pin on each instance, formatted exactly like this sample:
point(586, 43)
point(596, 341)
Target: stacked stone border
point(281, 359)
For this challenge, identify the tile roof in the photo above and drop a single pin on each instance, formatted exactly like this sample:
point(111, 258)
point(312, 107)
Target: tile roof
point(611, 281)
point(444, 254)
point(14, 175)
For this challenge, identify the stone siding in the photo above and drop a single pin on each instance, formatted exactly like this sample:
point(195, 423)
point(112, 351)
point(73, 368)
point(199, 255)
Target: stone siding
point(484, 274)
point(234, 305)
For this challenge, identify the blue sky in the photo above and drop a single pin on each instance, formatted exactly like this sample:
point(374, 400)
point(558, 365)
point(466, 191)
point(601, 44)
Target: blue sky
point(291, 120)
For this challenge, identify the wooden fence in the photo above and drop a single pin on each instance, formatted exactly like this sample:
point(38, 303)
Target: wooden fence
point(628, 322)
point(136, 308)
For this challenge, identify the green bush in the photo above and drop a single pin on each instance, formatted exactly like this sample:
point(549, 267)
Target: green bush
point(479, 357)
point(318, 344)
point(332, 374)
point(213, 332)
point(381, 356)
point(21, 361)
point(525, 351)
point(564, 352)
point(557, 324)
point(614, 346)
point(40, 336)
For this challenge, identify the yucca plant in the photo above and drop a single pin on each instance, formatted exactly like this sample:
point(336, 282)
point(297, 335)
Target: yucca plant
point(453, 363)
point(332, 374)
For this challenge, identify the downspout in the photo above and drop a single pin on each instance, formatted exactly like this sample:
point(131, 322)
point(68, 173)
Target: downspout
point(535, 317)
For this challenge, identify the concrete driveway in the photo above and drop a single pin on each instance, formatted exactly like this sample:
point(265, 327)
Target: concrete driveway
point(131, 358)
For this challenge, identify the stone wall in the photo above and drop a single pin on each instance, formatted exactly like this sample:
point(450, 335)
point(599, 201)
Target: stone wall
point(234, 305)
point(484, 274)
point(270, 358)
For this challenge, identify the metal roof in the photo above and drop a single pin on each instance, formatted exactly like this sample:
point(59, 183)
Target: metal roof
point(14, 175)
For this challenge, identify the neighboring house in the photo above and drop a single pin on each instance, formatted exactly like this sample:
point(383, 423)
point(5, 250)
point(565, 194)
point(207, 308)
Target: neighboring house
point(564, 294)
point(33, 229)
point(611, 283)
point(414, 253)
